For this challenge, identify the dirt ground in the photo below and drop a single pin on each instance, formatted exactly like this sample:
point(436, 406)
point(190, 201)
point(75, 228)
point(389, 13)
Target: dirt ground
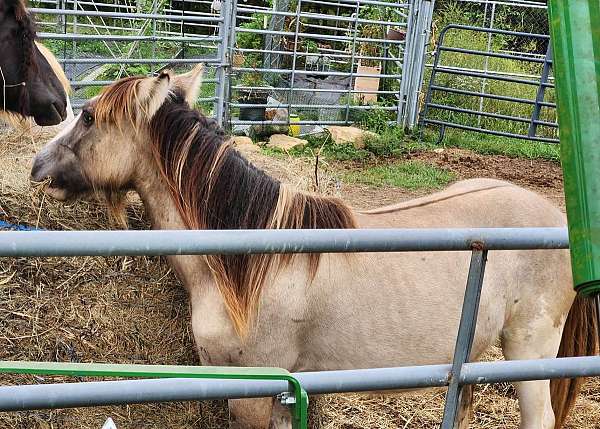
point(132, 310)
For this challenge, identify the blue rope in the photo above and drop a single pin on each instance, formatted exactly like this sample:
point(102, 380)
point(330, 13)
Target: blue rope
point(13, 227)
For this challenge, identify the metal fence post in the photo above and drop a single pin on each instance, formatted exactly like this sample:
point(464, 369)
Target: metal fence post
point(406, 64)
point(539, 98)
point(223, 55)
point(466, 333)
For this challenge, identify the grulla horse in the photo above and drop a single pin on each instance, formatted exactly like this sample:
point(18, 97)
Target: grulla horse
point(321, 311)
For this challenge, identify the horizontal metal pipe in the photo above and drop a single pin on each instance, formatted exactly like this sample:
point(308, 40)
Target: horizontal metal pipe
point(492, 76)
point(527, 370)
point(489, 95)
point(121, 38)
point(82, 83)
point(315, 73)
point(491, 115)
point(363, 2)
point(493, 132)
point(327, 90)
point(315, 54)
point(228, 242)
point(137, 60)
point(238, 122)
point(179, 18)
point(90, 3)
point(320, 36)
point(313, 106)
point(493, 54)
point(326, 17)
point(79, 105)
point(492, 30)
point(512, 3)
point(67, 395)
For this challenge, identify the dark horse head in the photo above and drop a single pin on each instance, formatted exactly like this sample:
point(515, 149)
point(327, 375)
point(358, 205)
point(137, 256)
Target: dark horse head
point(28, 84)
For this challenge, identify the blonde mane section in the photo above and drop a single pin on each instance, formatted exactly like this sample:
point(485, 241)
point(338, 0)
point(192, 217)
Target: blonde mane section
point(56, 67)
point(130, 100)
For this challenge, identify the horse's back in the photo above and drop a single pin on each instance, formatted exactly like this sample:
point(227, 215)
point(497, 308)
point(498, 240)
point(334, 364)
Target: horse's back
point(404, 307)
point(472, 203)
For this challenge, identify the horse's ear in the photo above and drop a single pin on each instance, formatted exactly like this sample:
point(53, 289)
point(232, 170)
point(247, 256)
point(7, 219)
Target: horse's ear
point(154, 91)
point(189, 83)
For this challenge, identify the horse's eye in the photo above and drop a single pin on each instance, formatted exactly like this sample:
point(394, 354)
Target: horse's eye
point(88, 119)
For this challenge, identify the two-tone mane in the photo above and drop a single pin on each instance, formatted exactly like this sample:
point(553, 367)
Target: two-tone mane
point(214, 187)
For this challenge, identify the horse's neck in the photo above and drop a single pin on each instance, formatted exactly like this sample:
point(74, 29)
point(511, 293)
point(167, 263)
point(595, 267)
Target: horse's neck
point(193, 271)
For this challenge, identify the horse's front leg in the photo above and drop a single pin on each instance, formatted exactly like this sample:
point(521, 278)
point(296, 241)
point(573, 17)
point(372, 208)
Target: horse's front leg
point(250, 413)
point(281, 418)
point(261, 413)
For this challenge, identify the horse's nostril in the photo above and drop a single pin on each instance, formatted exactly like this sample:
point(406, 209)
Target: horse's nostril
point(36, 170)
point(61, 109)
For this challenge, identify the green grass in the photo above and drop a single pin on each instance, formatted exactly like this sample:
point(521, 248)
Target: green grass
point(412, 175)
point(494, 145)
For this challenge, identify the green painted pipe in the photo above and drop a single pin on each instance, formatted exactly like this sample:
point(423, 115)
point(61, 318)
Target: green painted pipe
point(575, 34)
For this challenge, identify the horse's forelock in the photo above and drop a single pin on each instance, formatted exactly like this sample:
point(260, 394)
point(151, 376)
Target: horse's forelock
point(116, 104)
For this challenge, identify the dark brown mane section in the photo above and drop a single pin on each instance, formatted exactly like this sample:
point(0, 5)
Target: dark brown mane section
point(214, 187)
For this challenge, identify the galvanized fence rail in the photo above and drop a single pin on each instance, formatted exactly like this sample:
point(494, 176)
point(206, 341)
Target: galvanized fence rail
point(457, 375)
point(440, 111)
point(323, 62)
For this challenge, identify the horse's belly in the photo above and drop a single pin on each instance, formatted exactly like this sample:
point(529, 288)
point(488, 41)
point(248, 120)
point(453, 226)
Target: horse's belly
point(397, 310)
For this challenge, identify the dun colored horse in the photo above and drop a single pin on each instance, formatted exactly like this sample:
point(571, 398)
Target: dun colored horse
point(329, 311)
point(29, 85)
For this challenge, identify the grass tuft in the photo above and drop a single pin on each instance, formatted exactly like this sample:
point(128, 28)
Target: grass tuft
point(412, 175)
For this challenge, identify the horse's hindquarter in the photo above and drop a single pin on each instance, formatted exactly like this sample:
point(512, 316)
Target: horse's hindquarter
point(403, 308)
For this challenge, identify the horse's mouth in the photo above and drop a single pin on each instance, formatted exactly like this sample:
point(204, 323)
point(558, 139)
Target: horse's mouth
point(53, 116)
point(57, 193)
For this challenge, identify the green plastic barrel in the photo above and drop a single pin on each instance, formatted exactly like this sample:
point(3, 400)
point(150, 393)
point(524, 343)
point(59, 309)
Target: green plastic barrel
point(575, 34)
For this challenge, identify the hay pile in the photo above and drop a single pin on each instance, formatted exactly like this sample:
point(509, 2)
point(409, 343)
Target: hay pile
point(133, 310)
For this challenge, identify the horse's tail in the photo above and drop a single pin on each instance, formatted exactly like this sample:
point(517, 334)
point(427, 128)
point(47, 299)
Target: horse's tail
point(579, 338)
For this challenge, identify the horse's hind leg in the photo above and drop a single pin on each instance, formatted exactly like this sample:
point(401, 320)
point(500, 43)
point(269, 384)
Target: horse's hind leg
point(533, 339)
point(465, 410)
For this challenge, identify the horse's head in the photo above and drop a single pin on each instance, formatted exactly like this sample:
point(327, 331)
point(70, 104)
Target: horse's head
point(28, 84)
point(108, 143)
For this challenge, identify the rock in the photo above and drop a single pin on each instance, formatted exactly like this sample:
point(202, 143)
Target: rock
point(351, 135)
point(438, 150)
point(283, 142)
point(241, 140)
point(248, 148)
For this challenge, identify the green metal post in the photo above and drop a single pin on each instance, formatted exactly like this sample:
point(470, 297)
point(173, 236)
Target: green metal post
point(575, 34)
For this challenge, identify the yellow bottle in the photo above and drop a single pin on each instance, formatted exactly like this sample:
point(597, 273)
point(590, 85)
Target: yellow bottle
point(294, 126)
